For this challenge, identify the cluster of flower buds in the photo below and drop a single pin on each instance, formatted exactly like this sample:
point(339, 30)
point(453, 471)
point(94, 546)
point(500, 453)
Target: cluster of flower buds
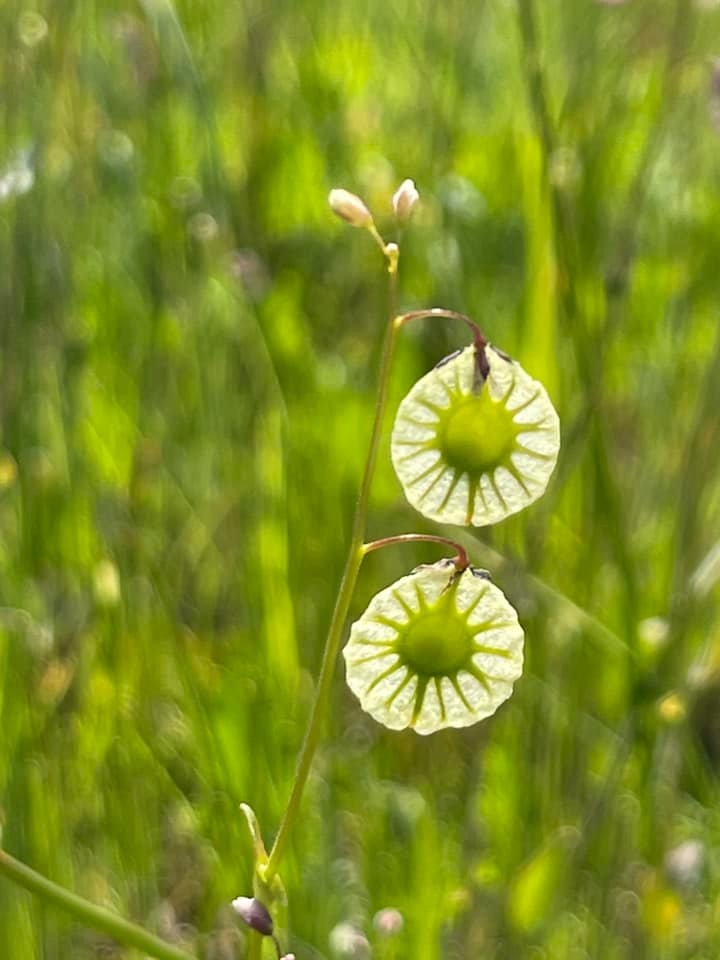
point(351, 208)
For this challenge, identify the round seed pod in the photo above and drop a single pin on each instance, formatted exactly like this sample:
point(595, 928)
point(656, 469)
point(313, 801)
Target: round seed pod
point(475, 440)
point(436, 649)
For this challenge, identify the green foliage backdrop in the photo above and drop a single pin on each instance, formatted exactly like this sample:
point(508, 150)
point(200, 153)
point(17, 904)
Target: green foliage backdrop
point(188, 341)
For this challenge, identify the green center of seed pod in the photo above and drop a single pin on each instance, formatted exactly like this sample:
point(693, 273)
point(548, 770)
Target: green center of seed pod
point(476, 434)
point(437, 641)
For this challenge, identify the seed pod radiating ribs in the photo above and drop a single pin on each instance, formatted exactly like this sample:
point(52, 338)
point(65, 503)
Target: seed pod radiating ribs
point(473, 449)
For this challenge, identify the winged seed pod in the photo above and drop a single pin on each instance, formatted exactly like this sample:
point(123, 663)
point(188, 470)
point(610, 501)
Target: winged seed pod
point(475, 440)
point(436, 649)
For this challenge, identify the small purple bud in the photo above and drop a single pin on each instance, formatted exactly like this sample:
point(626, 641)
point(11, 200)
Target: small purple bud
point(254, 913)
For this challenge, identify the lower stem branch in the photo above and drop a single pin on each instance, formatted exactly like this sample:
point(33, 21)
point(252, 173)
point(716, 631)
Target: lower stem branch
point(88, 914)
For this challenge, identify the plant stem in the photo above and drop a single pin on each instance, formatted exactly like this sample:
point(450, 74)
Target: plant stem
point(356, 552)
point(478, 338)
point(90, 915)
point(460, 560)
point(255, 941)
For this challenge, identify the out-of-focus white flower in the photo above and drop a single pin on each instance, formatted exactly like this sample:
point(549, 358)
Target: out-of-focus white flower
point(435, 649)
point(475, 440)
point(388, 922)
point(348, 943)
point(404, 201)
point(18, 177)
point(653, 633)
point(350, 207)
point(707, 573)
point(684, 864)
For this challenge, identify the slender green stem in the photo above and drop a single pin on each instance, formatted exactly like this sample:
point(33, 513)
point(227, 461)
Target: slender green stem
point(319, 709)
point(373, 231)
point(255, 941)
point(88, 914)
point(342, 605)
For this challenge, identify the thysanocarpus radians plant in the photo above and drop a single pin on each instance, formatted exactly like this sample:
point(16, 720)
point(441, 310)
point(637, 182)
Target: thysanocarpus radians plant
point(474, 441)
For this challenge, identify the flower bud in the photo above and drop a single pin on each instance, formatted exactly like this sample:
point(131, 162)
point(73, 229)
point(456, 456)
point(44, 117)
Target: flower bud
point(350, 207)
point(254, 913)
point(404, 201)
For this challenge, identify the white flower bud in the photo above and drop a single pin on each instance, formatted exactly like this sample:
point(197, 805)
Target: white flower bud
point(404, 201)
point(350, 207)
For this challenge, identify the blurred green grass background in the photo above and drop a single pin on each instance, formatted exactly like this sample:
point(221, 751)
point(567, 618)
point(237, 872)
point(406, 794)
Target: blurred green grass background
point(188, 345)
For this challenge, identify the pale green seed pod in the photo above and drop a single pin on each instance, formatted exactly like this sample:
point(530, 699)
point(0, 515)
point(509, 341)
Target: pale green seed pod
point(436, 649)
point(475, 440)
